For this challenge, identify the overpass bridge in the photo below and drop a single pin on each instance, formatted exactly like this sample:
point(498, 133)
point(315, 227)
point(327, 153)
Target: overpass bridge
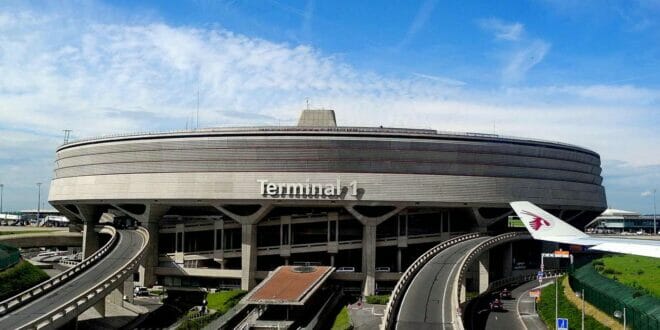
point(61, 299)
point(429, 293)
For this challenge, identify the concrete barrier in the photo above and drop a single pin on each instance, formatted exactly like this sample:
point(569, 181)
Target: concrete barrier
point(74, 307)
point(392, 307)
point(33, 293)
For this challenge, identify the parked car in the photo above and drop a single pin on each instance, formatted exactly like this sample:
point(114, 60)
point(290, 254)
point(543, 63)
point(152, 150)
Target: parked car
point(345, 270)
point(382, 269)
point(140, 291)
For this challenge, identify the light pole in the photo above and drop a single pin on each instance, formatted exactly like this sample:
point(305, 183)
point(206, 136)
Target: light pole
point(556, 301)
point(618, 315)
point(38, 202)
point(581, 295)
point(655, 229)
point(2, 188)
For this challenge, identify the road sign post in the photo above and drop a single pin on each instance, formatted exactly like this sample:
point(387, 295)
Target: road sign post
point(562, 324)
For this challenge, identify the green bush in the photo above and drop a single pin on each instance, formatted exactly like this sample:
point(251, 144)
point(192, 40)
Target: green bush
point(546, 309)
point(378, 299)
point(221, 302)
point(343, 320)
point(19, 278)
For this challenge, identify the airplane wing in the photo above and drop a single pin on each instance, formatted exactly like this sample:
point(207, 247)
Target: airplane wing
point(544, 226)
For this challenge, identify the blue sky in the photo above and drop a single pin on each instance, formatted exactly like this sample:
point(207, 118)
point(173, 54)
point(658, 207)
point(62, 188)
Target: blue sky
point(580, 72)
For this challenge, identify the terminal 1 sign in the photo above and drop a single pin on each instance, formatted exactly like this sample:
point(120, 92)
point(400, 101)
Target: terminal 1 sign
point(307, 189)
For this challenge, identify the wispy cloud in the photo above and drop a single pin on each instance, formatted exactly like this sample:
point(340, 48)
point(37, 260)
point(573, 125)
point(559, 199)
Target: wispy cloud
point(423, 15)
point(521, 52)
point(523, 59)
point(103, 78)
point(503, 30)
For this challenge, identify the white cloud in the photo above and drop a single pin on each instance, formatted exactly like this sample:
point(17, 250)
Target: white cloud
point(503, 30)
point(523, 59)
point(94, 78)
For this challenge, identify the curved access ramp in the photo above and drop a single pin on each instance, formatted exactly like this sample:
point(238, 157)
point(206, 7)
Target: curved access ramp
point(427, 304)
point(472, 255)
point(42, 288)
point(400, 298)
point(64, 303)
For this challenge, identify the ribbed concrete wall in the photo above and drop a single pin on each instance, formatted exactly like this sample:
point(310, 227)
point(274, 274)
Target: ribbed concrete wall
point(388, 166)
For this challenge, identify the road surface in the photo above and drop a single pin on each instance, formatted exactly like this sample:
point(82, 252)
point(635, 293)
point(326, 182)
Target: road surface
point(427, 302)
point(127, 247)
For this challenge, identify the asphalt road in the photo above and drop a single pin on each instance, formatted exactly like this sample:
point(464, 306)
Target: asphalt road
point(127, 247)
point(520, 313)
point(427, 302)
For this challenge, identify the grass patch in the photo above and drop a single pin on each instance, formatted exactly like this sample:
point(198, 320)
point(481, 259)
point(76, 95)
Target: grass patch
point(637, 272)
point(20, 277)
point(378, 299)
point(343, 320)
point(221, 301)
point(546, 309)
point(224, 300)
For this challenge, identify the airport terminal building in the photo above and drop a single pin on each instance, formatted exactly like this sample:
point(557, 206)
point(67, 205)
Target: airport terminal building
point(226, 205)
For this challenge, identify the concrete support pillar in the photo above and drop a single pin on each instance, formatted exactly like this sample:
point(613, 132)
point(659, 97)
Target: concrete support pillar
point(369, 245)
point(90, 240)
point(508, 260)
point(149, 220)
point(248, 255)
point(90, 215)
point(398, 260)
point(99, 307)
point(483, 265)
point(150, 261)
point(369, 258)
point(332, 260)
point(461, 299)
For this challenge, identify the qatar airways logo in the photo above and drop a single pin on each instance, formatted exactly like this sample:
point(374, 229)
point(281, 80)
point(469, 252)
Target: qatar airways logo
point(538, 222)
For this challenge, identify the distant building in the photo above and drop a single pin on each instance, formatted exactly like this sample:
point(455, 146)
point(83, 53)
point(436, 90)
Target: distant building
point(620, 221)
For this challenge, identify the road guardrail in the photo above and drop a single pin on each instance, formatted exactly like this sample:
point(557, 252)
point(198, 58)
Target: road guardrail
point(392, 307)
point(74, 307)
point(40, 289)
point(472, 255)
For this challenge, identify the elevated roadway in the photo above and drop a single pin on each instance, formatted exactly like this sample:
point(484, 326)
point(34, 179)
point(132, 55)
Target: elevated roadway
point(61, 305)
point(427, 304)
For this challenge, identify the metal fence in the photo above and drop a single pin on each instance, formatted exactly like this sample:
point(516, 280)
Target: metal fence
point(9, 256)
point(641, 309)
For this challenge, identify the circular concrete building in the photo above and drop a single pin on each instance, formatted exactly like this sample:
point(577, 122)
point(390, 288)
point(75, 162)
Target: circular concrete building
point(229, 204)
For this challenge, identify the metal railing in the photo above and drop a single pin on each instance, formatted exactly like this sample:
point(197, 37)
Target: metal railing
point(476, 252)
point(392, 307)
point(85, 300)
point(38, 290)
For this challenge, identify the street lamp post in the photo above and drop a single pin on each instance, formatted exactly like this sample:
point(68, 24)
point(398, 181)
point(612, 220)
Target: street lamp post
point(581, 295)
point(618, 315)
point(2, 188)
point(655, 229)
point(556, 300)
point(38, 201)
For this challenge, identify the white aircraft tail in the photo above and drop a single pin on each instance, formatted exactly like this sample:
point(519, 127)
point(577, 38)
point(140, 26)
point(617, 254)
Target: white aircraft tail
point(543, 225)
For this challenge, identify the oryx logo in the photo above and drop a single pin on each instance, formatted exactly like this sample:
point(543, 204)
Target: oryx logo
point(538, 221)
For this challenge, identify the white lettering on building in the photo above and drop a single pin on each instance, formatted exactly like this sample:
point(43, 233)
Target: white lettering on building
point(307, 189)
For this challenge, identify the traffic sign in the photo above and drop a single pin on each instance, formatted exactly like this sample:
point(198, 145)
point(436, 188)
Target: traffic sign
point(539, 273)
point(562, 324)
point(535, 293)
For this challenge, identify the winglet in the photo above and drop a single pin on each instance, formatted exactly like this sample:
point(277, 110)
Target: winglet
point(543, 225)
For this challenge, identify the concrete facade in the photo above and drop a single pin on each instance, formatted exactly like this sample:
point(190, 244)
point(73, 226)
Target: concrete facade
point(249, 199)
